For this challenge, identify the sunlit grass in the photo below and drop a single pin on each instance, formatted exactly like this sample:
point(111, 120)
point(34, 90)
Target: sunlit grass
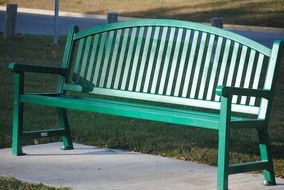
point(245, 12)
point(10, 183)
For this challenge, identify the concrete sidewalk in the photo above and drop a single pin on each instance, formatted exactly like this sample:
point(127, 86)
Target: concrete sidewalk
point(88, 167)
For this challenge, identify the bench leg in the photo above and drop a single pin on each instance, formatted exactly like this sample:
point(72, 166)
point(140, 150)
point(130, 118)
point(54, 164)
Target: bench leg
point(64, 124)
point(223, 144)
point(17, 115)
point(223, 160)
point(17, 130)
point(265, 153)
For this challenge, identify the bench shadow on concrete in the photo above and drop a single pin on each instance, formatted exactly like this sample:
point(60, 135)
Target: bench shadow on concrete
point(89, 151)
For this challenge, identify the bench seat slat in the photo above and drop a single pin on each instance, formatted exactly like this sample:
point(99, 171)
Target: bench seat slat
point(160, 98)
point(156, 113)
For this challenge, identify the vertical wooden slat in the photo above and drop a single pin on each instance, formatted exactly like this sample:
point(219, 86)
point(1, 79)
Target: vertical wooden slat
point(92, 59)
point(106, 58)
point(113, 58)
point(206, 67)
point(248, 74)
point(233, 64)
point(167, 60)
point(240, 70)
point(143, 60)
point(121, 57)
point(223, 65)
point(86, 55)
point(190, 64)
point(159, 60)
point(79, 55)
point(174, 62)
point(140, 37)
point(151, 59)
point(257, 77)
point(99, 59)
point(182, 62)
point(198, 65)
point(214, 69)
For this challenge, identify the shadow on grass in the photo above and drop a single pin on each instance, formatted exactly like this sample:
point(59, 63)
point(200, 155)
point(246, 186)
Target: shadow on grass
point(244, 13)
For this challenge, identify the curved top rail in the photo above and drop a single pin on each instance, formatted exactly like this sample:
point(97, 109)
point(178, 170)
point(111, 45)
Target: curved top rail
point(179, 24)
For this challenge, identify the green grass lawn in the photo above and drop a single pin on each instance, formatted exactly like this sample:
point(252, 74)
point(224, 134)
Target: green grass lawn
point(10, 183)
point(244, 12)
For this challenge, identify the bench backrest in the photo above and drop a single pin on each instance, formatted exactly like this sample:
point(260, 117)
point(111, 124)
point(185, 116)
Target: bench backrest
point(168, 61)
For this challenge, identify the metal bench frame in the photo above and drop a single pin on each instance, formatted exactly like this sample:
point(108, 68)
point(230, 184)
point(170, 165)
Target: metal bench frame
point(166, 61)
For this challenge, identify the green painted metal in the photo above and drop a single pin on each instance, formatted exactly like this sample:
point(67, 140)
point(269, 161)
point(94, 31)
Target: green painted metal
point(265, 153)
point(223, 143)
point(248, 74)
point(223, 65)
point(129, 57)
point(100, 57)
point(121, 57)
point(106, 58)
point(230, 91)
point(240, 71)
point(43, 133)
point(66, 57)
point(174, 63)
point(271, 78)
point(233, 64)
point(151, 59)
point(140, 37)
point(175, 24)
point(64, 125)
point(182, 62)
point(78, 58)
point(198, 64)
point(164, 61)
point(85, 56)
point(19, 68)
point(92, 58)
point(249, 166)
point(159, 60)
point(214, 70)
point(114, 58)
point(143, 59)
point(159, 98)
point(257, 77)
point(206, 67)
point(18, 114)
point(190, 64)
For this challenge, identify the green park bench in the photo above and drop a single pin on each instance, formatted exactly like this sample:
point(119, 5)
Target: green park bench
point(162, 70)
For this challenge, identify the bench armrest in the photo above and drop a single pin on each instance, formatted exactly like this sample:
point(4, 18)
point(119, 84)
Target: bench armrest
point(18, 68)
point(230, 91)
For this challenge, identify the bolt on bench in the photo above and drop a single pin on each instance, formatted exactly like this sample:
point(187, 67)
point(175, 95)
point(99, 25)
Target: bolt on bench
point(163, 61)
